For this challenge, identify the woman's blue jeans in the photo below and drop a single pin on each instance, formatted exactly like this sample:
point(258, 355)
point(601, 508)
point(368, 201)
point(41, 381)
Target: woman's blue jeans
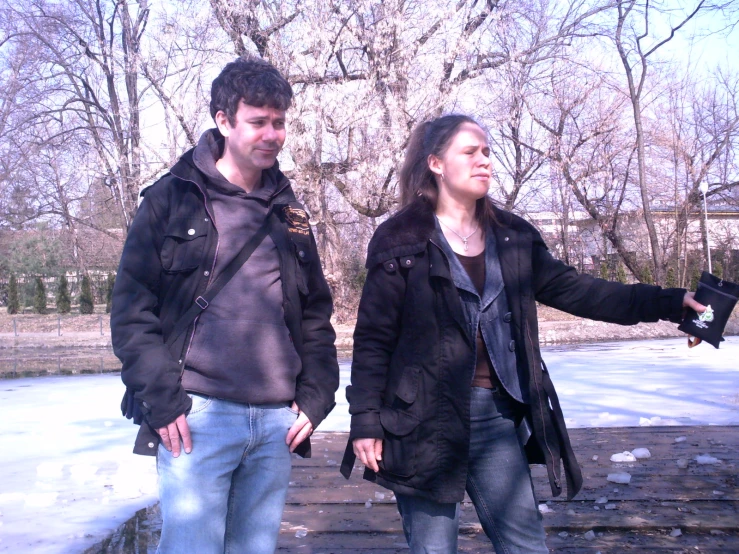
point(228, 494)
point(498, 483)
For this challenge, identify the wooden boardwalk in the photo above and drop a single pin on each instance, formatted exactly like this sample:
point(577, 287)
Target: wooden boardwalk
point(327, 514)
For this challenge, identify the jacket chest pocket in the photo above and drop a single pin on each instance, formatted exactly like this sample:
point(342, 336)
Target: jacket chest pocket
point(184, 244)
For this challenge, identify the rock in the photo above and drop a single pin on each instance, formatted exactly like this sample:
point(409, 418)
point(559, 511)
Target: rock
point(602, 500)
point(564, 534)
point(368, 504)
point(620, 478)
point(589, 536)
point(682, 463)
point(641, 453)
point(676, 533)
point(544, 509)
point(716, 532)
point(595, 458)
point(681, 439)
point(301, 533)
point(610, 506)
point(705, 459)
point(622, 457)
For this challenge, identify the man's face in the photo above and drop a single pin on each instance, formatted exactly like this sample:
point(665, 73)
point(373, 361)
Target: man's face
point(257, 136)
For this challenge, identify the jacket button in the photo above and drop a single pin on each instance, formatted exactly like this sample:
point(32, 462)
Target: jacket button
point(206, 220)
point(206, 273)
point(391, 266)
point(507, 317)
point(151, 445)
point(301, 254)
point(512, 346)
point(506, 239)
point(179, 361)
point(407, 262)
point(145, 404)
point(191, 232)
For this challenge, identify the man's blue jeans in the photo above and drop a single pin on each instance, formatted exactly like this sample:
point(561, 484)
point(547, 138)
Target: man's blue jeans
point(228, 494)
point(498, 483)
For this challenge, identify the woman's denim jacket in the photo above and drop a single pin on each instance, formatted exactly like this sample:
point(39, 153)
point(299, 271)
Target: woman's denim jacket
point(490, 312)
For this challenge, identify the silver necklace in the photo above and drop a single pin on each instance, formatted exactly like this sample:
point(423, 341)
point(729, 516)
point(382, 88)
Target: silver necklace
point(464, 239)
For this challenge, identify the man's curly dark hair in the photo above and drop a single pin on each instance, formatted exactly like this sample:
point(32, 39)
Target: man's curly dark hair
point(253, 80)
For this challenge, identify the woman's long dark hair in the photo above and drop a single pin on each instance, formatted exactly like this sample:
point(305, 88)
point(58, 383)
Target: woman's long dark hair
point(417, 181)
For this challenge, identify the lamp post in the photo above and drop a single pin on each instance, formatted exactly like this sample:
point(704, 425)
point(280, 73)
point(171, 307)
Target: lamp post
point(704, 189)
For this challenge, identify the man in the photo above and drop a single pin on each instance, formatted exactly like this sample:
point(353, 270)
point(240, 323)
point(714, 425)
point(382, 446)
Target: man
point(256, 372)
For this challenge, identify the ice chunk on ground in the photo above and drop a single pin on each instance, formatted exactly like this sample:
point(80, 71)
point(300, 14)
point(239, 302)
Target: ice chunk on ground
point(602, 500)
point(641, 453)
point(705, 459)
point(621, 457)
point(564, 534)
point(590, 535)
point(610, 506)
point(620, 478)
point(544, 509)
point(368, 504)
point(682, 463)
point(681, 439)
point(379, 496)
point(301, 533)
point(595, 458)
point(676, 533)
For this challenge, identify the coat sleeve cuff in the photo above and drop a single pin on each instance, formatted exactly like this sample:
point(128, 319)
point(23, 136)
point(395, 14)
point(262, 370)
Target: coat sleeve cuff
point(673, 304)
point(366, 426)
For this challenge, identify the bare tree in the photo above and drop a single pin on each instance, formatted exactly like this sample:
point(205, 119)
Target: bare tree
point(637, 44)
point(366, 72)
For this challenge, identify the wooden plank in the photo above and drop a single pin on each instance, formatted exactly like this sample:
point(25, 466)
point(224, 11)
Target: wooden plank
point(327, 514)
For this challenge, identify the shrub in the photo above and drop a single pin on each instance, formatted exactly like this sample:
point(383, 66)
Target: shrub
point(110, 283)
point(621, 273)
point(87, 305)
point(646, 275)
point(14, 303)
point(670, 278)
point(39, 297)
point(63, 299)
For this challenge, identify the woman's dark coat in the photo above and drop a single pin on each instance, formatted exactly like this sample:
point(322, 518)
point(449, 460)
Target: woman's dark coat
point(413, 359)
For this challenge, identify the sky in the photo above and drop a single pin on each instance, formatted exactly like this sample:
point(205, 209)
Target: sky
point(69, 478)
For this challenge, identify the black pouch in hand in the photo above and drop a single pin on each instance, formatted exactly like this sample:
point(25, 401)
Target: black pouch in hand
point(130, 408)
point(719, 297)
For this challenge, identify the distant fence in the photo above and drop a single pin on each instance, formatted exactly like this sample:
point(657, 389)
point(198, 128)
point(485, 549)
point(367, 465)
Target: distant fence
point(57, 325)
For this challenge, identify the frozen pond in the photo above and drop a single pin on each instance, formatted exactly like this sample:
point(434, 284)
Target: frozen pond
point(69, 477)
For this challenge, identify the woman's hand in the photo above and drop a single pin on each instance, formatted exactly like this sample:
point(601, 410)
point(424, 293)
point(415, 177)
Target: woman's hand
point(369, 451)
point(690, 302)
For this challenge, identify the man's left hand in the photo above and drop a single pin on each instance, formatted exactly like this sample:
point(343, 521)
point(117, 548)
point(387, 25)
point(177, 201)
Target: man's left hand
point(300, 430)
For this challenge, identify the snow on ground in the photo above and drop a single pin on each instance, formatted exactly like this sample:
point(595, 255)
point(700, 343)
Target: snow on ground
point(69, 477)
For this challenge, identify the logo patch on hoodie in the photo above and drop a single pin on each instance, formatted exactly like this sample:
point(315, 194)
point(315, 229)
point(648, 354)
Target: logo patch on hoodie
point(297, 220)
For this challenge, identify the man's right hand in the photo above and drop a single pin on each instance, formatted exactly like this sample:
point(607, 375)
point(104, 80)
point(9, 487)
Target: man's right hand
point(369, 451)
point(174, 434)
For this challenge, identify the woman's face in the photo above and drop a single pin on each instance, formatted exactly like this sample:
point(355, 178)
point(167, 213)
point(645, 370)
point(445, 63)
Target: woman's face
point(464, 169)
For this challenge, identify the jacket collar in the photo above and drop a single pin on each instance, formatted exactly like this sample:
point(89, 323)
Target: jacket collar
point(276, 189)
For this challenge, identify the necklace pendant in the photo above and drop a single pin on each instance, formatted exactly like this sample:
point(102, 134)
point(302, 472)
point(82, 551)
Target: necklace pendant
point(465, 245)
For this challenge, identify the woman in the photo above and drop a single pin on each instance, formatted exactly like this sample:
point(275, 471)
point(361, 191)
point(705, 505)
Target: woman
point(447, 378)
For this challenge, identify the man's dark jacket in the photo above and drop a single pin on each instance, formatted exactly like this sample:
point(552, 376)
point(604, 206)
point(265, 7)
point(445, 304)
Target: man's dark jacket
point(413, 360)
point(166, 263)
